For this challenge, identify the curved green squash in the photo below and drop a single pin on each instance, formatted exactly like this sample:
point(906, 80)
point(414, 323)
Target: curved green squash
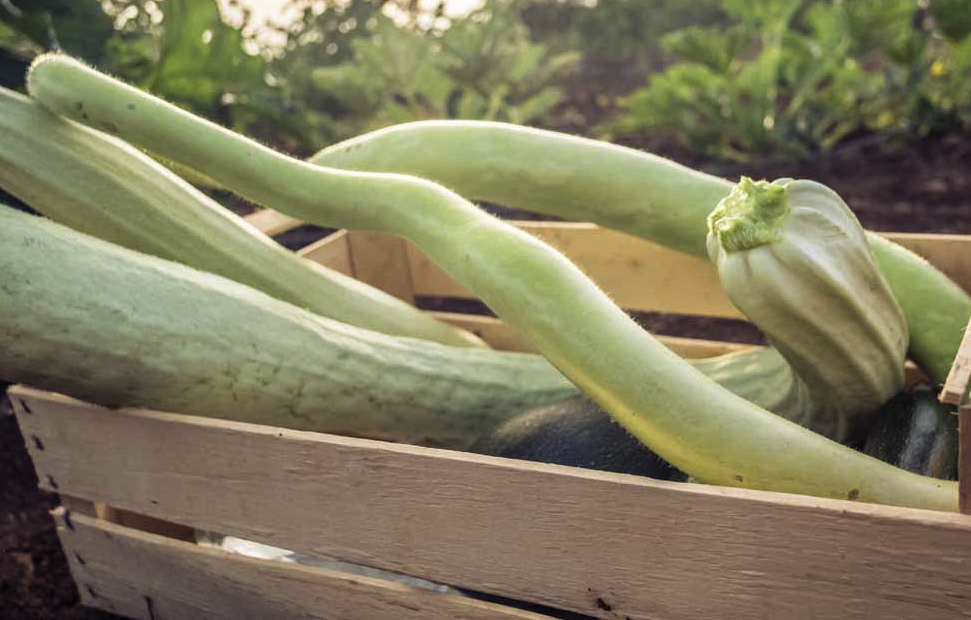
point(795, 260)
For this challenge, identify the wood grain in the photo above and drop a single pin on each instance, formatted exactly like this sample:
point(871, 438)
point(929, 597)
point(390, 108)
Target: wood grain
point(128, 572)
point(949, 253)
point(607, 545)
point(956, 385)
point(332, 251)
point(964, 462)
point(271, 222)
point(382, 261)
point(637, 275)
point(501, 335)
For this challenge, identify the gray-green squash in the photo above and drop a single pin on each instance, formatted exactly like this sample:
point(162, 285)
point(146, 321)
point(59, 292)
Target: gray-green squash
point(793, 258)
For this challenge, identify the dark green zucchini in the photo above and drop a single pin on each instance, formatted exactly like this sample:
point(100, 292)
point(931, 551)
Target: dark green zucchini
point(575, 432)
point(916, 432)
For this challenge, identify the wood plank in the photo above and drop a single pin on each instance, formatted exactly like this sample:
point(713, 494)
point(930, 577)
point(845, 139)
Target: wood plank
point(964, 462)
point(500, 335)
point(143, 575)
point(604, 544)
point(637, 275)
point(272, 223)
point(382, 261)
point(332, 251)
point(949, 253)
point(956, 385)
point(79, 505)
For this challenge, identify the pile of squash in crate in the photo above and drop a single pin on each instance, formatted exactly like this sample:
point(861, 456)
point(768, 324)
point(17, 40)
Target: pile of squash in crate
point(141, 292)
point(147, 293)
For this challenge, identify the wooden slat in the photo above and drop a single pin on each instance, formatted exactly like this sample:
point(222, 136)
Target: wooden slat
point(956, 385)
point(381, 261)
point(332, 251)
point(949, 253)
point(501, 335)
point(964, 463)
point(608, 545)
point(79, 505)
point(638, 275)
point(271, 222)
point(142, 575)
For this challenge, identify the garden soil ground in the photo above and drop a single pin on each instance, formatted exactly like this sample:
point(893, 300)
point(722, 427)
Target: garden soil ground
point(926, 188)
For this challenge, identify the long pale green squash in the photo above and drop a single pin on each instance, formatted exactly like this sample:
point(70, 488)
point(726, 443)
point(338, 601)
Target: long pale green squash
point(100, 185)
point(794, 259)
point(627, 190)
point(686, 418)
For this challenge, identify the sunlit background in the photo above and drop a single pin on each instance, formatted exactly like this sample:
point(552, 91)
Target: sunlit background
point(281, 12)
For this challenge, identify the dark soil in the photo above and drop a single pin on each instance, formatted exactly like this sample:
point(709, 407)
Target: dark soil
point(34, 578)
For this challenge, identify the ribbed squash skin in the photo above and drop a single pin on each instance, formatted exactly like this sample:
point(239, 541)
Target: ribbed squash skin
point(104, 187)
point(808, 279)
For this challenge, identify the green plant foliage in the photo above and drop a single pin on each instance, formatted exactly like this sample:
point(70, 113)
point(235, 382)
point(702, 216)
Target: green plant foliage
point(483, 67)
point(181, 50)
point(614, 29)
point(953, 18)
point(790, 78)
point(75, 26)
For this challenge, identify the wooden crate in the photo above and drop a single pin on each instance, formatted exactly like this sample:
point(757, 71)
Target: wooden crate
point(133, 483)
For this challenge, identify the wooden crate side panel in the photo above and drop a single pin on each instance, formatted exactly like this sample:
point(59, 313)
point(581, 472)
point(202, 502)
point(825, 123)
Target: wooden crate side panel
point(662, 280)
point(603, 544)
point(142, 575)
point(382, 261)
point(271, 222)
point(949, 253)
point(501, 335)
point(332, 251)
point(964, 463)
point(638, 275)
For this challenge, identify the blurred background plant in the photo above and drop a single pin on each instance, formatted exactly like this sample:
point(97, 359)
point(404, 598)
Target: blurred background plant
point(789, 77)
point(730, 80)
